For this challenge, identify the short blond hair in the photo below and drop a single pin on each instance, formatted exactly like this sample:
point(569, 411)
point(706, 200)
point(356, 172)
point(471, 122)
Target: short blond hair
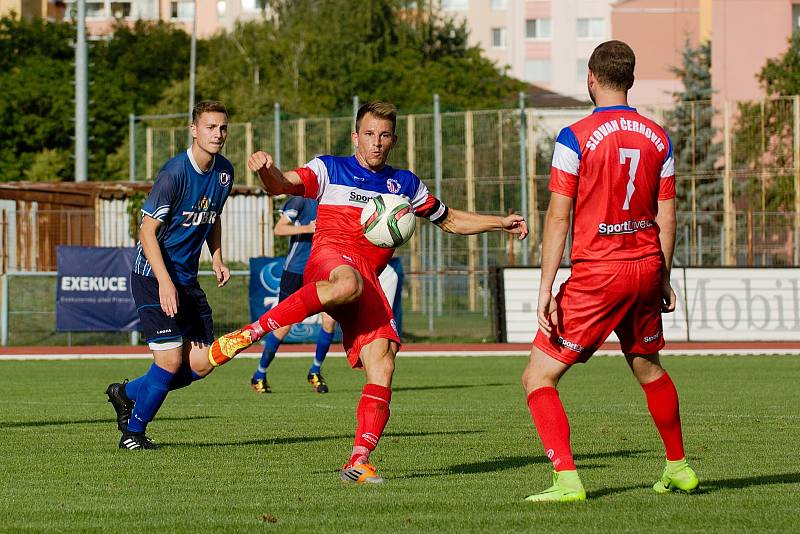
point(381, 110)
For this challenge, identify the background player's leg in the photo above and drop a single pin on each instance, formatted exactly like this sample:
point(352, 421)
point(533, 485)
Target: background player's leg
point(662, 401)
point(540, 379)
point(271, 344)
point(372, 413)
point(324, 340)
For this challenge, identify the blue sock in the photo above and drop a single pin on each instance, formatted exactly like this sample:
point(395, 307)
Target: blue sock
point(183, 378)
point(323, 345)
point(271, 345)
point(152, 391)
point(132, 387)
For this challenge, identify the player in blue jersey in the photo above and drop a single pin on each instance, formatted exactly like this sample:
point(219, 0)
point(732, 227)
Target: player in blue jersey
point(298, 222)
point(181, 214)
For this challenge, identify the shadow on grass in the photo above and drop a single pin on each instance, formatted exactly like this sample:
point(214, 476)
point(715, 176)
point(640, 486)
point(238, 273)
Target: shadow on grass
point(452, 386)
point(710, 486)
point(512, 462)
point(290, 440)
point(61, 422)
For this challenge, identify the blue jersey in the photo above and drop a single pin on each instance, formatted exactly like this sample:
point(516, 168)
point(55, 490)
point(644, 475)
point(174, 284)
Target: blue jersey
point(300, 211)
point(187, 202)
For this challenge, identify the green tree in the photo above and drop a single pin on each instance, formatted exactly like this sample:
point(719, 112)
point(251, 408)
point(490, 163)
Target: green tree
point(764, 133)
point(690, 125)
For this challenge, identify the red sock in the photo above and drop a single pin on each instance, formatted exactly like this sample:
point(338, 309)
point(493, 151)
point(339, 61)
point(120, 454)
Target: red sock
point(301, 304)
point(372, 415)
point(552, 425)
point(662, 401)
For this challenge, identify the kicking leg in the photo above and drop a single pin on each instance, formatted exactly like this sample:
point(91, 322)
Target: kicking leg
point(540, 379)
point(662, 402)
point(343, 286)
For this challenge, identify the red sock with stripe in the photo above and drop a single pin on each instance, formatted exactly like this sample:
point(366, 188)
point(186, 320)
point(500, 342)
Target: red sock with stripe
point(301, 304)
point(662, 401)
point(372, 415)
point(552, 425)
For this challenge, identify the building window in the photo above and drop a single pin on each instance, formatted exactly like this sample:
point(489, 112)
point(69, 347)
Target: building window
point(581, 69)
point(455, 5)
point(538, 29)
point(499, 38)
point(220, 9)
point(120, 10)
point(499, 4)
point(795, 17)
point(251, 5)
point(538, 70)
point(590, 28)
point(182, 10)
point(95, 10)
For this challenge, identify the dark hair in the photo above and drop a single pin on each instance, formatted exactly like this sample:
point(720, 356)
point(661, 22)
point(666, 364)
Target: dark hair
point(206, 106)
point(381, 110)
point(612, 63)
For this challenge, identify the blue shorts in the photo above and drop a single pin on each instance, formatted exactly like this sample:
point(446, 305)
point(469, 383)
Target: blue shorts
point(290, 282)
point(192, 322)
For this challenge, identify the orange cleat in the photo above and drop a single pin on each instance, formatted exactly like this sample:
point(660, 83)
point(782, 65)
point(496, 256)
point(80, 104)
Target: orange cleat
point(360, 474)
point(231, 344)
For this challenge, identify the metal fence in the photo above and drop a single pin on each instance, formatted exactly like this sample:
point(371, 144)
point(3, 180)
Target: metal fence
point(28, 309)
point(737, 166)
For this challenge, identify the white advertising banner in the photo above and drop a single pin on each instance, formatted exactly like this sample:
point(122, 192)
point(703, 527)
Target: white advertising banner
point(722, 304)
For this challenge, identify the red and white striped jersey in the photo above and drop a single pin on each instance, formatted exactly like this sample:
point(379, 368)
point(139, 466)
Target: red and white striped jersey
point(342, 187)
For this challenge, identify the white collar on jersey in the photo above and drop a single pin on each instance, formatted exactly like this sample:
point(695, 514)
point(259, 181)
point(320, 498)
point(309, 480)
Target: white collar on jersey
point(195, 165)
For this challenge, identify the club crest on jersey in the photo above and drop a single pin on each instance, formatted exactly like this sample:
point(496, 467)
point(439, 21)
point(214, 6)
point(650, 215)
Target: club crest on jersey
point(393, 185)
point(203, 204)
point(224, 179)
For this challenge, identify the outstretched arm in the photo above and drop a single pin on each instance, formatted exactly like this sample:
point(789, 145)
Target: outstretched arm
point(275, 181)
point(468, 223)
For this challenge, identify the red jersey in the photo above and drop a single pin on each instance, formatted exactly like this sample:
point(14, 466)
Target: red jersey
point(616, 165)
point(342, 187)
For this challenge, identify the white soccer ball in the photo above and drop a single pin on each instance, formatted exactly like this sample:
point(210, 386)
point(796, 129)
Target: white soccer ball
point(388, 220)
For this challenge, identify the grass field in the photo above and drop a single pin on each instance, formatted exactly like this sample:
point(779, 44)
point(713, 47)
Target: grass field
point(459, 453)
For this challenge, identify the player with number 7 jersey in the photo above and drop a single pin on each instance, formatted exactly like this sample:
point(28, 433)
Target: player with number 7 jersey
point(612, 180)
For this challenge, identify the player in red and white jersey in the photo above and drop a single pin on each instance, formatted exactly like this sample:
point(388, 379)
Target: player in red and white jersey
point(341, 276)
point(614, 172)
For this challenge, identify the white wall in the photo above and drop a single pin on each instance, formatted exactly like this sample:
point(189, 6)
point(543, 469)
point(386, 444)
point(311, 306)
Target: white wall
point(713, 304)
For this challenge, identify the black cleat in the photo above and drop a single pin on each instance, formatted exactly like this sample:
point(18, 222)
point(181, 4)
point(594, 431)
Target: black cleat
point(121, 403)
point(136, 440)
point(318, 383)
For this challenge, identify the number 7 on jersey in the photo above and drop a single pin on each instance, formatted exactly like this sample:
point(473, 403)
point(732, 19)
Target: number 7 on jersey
point(633, 155)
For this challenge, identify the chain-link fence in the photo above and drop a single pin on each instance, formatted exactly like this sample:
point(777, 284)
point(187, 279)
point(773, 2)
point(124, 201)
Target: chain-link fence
point(737, 168)
point(28, 309)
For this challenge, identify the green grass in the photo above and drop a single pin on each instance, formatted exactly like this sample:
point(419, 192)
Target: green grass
point(459, 453)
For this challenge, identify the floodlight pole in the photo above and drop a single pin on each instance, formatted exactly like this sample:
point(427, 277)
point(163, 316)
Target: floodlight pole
point(81, 97)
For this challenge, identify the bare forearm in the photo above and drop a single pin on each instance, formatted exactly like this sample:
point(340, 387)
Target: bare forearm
point(214, 240)
point(555, 239)
point(667, 224)
point(152, 251)
point(290, 230)
point(278, 183)
point(468, 223)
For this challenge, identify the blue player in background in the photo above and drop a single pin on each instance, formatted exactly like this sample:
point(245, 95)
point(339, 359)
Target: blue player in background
point(298, 222)
point(182, 212)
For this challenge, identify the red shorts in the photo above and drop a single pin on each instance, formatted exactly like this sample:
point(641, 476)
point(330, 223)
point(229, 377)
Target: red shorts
point(600, 298)
point(365, 320)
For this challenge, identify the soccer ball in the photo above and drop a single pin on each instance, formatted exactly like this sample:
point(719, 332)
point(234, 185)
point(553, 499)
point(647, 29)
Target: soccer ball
point(388, 220)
